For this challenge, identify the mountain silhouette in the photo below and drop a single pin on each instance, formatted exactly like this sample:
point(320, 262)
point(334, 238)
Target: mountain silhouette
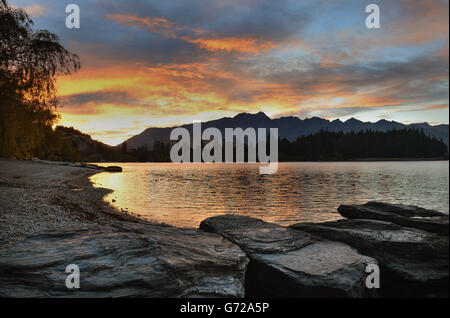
point(288, 127)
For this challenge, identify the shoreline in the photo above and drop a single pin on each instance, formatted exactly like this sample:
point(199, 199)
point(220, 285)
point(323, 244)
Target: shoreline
point(287, 161)
point(37, 197)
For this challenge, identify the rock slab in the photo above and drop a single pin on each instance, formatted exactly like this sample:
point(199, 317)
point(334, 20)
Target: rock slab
point(124, 260)
point(404, 215)
point(414, 263)
point(289, 263)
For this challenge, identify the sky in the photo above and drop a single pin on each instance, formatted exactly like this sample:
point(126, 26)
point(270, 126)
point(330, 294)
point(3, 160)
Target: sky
point(161, 63)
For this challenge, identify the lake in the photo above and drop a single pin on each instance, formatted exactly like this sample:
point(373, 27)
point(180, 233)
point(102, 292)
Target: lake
point(185, 194)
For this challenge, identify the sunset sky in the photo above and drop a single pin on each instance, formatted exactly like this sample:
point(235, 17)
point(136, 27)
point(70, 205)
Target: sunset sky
point(159, 63)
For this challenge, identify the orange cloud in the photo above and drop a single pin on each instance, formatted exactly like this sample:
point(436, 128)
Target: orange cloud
point(229, 44)
point(34, 10)
point(433, 107)
point(206, 40)
point(159, 25)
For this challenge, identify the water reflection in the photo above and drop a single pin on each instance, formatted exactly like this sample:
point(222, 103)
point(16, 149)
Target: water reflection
point(186, 194)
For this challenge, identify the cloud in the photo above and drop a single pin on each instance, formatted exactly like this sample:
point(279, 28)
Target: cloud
point(206, 40)
point(35, 10)
point(155, 24)
point(92, 102)
point(229, 44)
point(334, 112)
point(98, 97)
point(431, 107)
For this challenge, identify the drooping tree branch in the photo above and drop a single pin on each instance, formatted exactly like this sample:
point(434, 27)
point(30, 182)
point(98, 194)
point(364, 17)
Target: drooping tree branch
point(30, 62)
point(32, 58)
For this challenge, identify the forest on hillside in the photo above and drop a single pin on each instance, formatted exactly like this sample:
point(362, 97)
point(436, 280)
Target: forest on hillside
point(335, 146)
point(396, 144)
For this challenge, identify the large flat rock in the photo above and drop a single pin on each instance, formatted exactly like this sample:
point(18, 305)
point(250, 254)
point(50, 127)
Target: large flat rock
point(413, 262)
point(256, 236)
point(289, 263)
point(124, 260)
point(404, 215)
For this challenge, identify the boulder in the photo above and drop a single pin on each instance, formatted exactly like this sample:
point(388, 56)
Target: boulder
point(413, 263)
point(124, 260)
point(289, 263)
point(404, 215)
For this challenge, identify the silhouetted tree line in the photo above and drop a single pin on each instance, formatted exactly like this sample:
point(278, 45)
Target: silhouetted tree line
point(332, 146)
point(30, 61)
point(159, 153)
point(325, 145)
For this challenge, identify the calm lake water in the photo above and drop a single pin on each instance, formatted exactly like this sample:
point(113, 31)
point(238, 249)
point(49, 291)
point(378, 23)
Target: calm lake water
point(185, 194)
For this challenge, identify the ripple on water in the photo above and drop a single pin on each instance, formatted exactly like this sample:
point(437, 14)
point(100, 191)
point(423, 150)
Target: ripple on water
point(186, 194)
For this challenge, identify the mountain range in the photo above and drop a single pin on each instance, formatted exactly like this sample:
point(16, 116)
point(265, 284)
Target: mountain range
point(288, 127)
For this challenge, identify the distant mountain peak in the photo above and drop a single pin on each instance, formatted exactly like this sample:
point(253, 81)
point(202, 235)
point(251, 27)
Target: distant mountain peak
point(262, 114)
point(424, 124)
point(353, 121)
point(316, 118)
point(259, 115)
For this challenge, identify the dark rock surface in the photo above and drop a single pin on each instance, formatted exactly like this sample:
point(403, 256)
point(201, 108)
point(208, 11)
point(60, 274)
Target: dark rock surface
point(113, 169)
point(124, 260)
point(256, 236)
point(413, 263)
point(404, 215)
point(289, 263)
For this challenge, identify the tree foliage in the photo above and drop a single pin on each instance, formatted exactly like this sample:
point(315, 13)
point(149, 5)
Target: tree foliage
point(333, 146)
point(30, 62)
point(325, 145)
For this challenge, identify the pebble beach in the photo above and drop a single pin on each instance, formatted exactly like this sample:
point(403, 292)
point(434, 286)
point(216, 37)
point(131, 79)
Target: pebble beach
point(37, 197)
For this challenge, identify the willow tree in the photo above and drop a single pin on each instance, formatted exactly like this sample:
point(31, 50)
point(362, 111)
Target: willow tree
point(30, 62)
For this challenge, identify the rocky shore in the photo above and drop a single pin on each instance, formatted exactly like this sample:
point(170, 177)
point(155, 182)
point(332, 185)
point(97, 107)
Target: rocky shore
point(52, 217)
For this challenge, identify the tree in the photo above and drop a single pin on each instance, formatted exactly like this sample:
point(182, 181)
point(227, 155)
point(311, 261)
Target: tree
point(30, 61)
point(124, 148)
